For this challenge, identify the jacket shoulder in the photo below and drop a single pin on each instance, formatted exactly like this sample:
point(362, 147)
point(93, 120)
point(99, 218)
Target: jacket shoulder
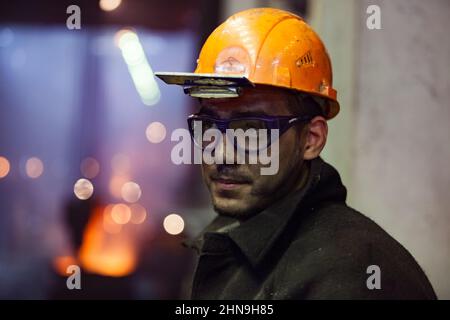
point(334, 251)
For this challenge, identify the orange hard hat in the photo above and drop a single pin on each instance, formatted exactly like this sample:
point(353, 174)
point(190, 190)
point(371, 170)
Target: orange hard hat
point(261, 46)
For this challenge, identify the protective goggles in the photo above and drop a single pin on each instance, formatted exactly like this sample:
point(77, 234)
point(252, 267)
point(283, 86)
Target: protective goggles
point(247, 133)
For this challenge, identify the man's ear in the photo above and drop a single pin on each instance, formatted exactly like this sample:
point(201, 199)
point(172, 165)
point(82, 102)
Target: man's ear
point(316, 137)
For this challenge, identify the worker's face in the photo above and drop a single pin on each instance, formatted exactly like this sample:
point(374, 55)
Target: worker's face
point(240, 190)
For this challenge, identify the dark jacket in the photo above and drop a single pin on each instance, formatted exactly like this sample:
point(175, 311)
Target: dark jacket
point(309, 245)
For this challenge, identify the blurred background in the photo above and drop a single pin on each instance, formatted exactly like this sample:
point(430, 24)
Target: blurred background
point(85, 170)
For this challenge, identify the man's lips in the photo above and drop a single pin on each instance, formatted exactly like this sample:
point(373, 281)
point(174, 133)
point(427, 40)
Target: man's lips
point(227, 183)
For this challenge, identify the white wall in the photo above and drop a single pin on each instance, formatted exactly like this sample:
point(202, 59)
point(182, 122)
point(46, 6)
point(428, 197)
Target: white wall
point(391, 142)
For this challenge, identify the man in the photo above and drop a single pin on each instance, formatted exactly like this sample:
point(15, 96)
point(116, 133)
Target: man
point(287, 235)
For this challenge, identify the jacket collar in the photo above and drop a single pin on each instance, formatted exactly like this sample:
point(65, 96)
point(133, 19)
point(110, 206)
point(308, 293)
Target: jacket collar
point(257, 236)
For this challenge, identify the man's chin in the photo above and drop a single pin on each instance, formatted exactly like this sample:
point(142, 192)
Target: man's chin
point(233, 208)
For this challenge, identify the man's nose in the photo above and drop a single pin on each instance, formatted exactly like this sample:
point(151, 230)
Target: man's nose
point(225, 150)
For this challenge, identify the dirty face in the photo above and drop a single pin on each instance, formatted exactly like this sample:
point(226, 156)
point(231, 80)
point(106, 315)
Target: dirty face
point(239, 190)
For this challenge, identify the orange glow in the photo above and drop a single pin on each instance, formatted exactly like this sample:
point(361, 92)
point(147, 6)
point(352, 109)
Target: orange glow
point(4, 167)
point(109, 225)
point(61, 263)
point(106, 254)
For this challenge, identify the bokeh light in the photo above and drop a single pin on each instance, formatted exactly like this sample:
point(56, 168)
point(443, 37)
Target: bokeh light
point(155, 132)
point(89, 168)
point(131, 191)
point(4, 167)
point(109, 225)
point(118, 36)
point(173, 224)
point(138, 213)
point(121, 213)
point(83, 189)
point(109, 5)
point(116, 183)
point(34, 167)
point(138, 66)
point(132, 51)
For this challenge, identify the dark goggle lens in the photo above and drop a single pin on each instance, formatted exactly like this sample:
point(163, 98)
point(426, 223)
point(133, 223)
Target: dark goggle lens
point(246, 134)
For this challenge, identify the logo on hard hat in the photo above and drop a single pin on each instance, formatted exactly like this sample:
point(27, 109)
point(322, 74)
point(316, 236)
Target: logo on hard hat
point(233, 60)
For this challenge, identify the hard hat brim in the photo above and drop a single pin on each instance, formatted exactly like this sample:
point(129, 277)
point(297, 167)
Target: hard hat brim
point(204, 79)
point(211, 85)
